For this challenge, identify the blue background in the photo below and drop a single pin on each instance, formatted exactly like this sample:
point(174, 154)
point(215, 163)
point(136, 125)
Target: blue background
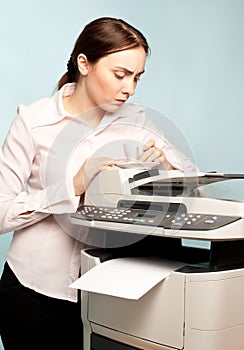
point(195, 74)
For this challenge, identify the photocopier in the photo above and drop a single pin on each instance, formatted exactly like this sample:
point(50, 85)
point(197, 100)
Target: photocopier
point(170, 273)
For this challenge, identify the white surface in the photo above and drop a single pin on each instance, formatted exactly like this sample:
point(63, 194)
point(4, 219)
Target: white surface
point(128, 278)
point(138, 165)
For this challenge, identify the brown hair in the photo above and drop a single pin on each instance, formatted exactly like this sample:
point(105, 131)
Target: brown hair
point(99, 38)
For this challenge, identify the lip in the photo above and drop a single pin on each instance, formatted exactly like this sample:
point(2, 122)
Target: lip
point(120, 101)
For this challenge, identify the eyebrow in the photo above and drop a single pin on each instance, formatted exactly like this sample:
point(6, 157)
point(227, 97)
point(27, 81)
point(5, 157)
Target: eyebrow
point(129, 71)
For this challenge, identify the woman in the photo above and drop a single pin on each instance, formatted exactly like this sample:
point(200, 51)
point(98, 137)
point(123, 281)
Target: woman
point(46, 166)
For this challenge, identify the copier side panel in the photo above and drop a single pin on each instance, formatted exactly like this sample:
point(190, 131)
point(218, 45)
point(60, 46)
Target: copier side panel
point(215, 310)
point(158, 316)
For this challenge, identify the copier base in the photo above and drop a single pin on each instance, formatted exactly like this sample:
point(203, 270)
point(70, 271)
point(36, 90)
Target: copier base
point(99, 342)
point(198, 307)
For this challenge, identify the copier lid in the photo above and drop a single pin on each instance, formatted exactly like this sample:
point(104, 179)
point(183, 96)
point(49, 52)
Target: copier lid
point(176, 177)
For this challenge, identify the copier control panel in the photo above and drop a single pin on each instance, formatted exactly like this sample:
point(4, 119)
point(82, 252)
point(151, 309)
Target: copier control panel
point(168, 220)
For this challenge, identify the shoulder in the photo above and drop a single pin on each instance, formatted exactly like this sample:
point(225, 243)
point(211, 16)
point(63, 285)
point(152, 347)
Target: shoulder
point(39, 113)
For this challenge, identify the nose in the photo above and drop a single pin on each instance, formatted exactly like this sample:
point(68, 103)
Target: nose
point(129, 87)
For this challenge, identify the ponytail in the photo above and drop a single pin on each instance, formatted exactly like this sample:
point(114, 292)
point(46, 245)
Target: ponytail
point(71, 75)
point(63, 80)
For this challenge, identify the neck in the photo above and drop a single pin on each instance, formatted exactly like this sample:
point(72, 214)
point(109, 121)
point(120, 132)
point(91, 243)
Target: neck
point(78, 105)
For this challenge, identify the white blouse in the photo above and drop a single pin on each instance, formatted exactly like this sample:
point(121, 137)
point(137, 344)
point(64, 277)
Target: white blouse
point(42, 151)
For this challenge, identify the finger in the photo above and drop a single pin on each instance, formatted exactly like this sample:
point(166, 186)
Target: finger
point(148, 144)
point(108, 163)
point(144, 156)
point(149, 155)
point(155, 155)
point(162, 158)
point(112, 162)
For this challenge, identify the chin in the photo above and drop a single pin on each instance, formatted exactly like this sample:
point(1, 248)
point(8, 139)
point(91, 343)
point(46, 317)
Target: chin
point(112, 107)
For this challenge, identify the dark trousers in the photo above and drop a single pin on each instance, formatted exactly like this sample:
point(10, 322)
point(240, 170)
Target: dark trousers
point(32, 321)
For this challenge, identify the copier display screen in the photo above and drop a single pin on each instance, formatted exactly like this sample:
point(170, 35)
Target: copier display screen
point(140, 215)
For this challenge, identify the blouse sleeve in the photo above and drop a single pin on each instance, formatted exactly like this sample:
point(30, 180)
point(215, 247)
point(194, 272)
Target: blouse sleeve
point(18, 207)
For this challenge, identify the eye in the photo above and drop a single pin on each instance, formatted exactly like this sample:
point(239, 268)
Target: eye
point(137, 78)
point(119, 75)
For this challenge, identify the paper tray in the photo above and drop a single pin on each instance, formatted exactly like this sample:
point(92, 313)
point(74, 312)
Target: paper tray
point(128, 278)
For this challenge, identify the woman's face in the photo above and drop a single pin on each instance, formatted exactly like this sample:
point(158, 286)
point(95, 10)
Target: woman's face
point(112, 80)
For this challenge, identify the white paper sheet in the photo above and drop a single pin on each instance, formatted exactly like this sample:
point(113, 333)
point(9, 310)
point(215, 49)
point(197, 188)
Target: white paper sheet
point(128, 278)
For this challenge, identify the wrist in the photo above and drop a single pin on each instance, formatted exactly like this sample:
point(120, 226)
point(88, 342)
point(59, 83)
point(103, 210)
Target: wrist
point(79, 187)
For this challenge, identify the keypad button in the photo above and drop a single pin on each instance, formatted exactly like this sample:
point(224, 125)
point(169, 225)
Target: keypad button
point(208, 221)
point(177, 224)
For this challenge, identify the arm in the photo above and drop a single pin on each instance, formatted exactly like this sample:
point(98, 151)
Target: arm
point(18, 207)
point(88, 170)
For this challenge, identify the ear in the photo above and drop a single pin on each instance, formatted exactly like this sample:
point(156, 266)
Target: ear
point(83, 64)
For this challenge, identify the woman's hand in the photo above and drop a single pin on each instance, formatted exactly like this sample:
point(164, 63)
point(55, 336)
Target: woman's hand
point(90, 168)
point(151, 153)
